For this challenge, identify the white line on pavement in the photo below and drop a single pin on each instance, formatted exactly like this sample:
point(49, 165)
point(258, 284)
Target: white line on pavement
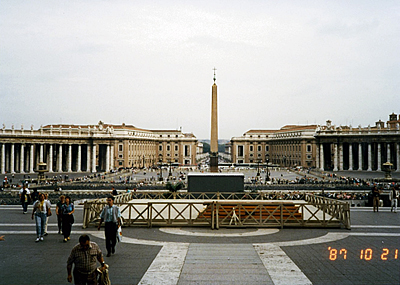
point(279, 266)
point(167, 266)
point(34, 225)
point(331, 236)
point(376, 234)
point(219, 233)
point(34, 232)
point(375, 226)
point(125, 239)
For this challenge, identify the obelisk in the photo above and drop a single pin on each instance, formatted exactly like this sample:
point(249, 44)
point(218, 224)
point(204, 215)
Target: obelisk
point(214, 129)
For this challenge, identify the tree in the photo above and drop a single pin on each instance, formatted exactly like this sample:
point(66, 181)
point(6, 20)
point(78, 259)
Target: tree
point(206, 147)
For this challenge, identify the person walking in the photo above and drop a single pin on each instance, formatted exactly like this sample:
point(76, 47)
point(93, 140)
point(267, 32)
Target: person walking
point(59, 205)
point(24, 196)
point(376, 197)
point(41, 209)
point(114, 192)
point(34, 195)
point(112, 217)
point(393, 196)
point(83, 256)
point(46, 199)
point(68, 219)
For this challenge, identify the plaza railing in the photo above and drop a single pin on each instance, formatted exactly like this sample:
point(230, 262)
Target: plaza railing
point(224, 210)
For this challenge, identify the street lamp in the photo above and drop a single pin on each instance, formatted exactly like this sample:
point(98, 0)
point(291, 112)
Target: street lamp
point(170, 166)
point(267, 160)
point(258, 167)
point(160, 159)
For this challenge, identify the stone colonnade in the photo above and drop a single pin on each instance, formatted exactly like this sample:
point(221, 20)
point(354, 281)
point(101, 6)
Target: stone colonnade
point(357, 156)
point(60, 157)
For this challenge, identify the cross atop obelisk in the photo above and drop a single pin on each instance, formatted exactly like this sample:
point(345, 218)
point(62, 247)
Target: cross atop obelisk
point(214, 74)
point(214, 129)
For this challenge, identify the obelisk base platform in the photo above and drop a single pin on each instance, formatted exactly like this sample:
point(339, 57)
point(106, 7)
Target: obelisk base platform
point(224, 182)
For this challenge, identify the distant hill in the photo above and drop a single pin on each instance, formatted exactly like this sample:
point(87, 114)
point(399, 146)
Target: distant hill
point(221, 141)
point(221, 145)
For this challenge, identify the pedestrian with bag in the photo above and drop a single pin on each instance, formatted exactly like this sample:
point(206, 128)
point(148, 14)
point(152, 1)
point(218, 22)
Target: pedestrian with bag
point(111, 215)
point(84, 256)
point(68, 219)
point(41, 209)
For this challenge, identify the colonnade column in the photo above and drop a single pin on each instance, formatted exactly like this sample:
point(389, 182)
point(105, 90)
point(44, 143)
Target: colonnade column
point(41, 153)
point(112, 157)
point(369, 158)
point(335, 158)
point(69, 162)
point(12, 170)
point(360, 157)
point(350, 156)
point(3, 158)
point(78, 168)
point(398, 156)
point(59, 168)
point(88, 158)
point(321, 155)
point(31, 161)
point(388, 153)
point(340, 156)
point(108, 158)
point(50, 158)
point(379, 157)
point(318, 158)
point(22, 159)
point(94, 158)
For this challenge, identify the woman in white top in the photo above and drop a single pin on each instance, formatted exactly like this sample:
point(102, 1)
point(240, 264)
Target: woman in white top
point(41, 209)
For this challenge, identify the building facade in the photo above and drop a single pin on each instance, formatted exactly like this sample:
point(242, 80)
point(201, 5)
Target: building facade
point(326, 147)
point(360, 148)
point(291, 145)
point(92, 148)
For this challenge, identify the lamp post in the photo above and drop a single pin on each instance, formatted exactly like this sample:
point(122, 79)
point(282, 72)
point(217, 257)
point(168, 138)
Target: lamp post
point(267, 160)
point(160, 159)
point(258, 167)
point(170, 166)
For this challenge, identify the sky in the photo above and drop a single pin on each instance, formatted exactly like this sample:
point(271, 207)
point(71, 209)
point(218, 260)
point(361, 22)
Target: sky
point(150, 63)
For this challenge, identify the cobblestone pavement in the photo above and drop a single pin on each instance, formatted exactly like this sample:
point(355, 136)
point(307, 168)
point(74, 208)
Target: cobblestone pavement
point(366, 254)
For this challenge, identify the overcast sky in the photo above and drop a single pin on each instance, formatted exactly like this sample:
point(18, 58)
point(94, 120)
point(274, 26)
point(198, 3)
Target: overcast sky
point(149, 63)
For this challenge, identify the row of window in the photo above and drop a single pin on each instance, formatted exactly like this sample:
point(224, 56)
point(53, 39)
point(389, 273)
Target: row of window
point(160, 147)
point(259, 148)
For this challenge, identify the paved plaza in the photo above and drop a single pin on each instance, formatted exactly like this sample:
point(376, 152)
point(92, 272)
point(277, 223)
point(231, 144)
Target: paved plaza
point(366, 254)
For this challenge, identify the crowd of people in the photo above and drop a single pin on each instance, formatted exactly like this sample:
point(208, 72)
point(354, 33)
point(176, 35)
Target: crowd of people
point(85, 270)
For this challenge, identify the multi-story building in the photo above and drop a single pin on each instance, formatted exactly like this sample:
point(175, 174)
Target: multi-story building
point(91, 148)
point(291, 145)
